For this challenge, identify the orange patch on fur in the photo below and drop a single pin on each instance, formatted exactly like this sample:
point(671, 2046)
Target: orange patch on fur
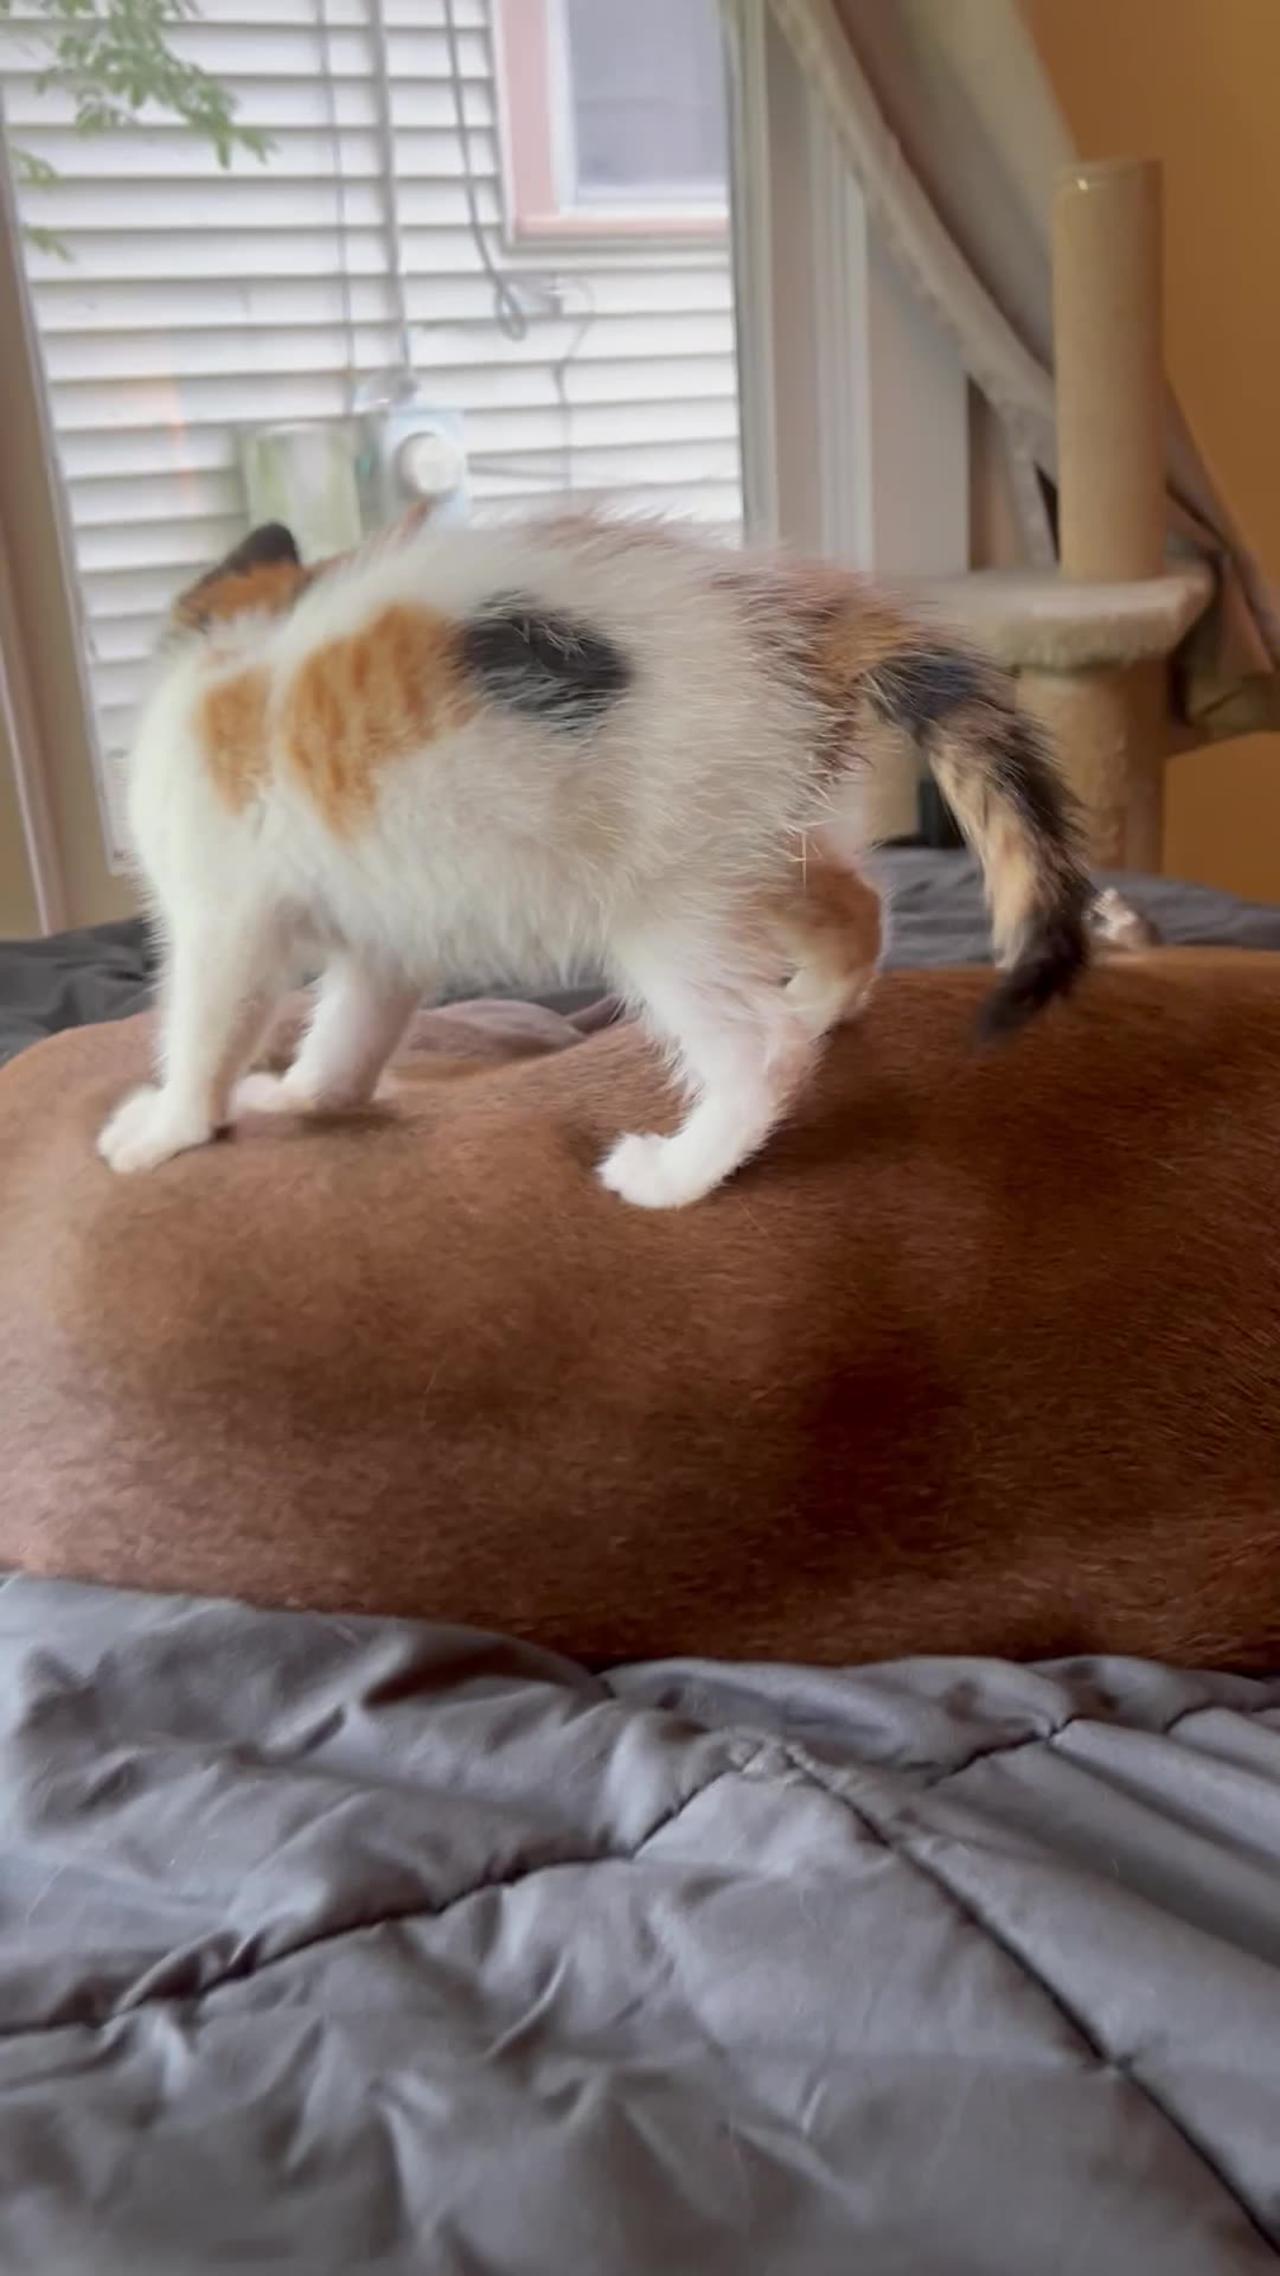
point(831, 628)
point(233, 730)
point(362, 702)
point(848, 627)
point(832, 906)
point(270, 589)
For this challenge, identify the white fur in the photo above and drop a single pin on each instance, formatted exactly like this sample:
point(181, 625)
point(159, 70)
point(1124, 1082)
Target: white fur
point(509, 850)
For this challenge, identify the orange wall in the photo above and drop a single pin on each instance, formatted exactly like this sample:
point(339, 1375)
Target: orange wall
point(1196, 83)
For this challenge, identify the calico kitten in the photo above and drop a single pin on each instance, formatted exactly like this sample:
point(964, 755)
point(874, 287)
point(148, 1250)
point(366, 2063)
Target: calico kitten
point(518, 753)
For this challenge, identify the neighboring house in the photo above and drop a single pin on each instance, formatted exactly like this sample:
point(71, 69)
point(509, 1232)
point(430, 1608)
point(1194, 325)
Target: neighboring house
point(585, 207)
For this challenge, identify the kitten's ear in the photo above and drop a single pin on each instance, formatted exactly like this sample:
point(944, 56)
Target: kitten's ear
point(270, 542)
point(263, 572)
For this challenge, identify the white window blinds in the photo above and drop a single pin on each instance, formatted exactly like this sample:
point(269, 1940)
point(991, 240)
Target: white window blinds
point(196, 302)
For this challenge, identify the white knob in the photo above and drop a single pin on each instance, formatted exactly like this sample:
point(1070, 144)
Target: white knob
point(429, 464)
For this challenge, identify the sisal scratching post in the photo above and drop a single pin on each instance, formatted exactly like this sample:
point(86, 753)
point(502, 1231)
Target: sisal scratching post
point(1107, 329)
point(1107, 310)
point(1090, 640)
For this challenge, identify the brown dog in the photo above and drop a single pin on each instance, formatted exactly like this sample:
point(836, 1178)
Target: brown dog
point(982, 1356)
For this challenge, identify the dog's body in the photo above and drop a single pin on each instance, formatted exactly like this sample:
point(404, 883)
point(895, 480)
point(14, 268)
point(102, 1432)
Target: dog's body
point(984, 1357)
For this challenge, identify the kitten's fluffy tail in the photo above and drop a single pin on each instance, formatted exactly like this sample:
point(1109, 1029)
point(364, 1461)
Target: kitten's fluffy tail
point(997, 774)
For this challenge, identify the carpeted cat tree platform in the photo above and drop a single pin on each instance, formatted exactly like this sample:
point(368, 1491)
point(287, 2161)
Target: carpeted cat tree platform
point(1091, 640)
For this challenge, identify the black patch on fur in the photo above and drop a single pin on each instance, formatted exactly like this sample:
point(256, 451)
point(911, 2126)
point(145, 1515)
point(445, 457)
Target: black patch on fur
point(543, 664)
point(1054, 958)
point(919, 691)
point(271, 541)
point(1023, 773)
point(1024, 777)
point(922, 685)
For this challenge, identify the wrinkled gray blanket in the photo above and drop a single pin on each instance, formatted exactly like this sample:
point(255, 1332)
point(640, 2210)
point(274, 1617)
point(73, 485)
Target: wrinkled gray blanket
point(937, 917)
point(347, 1945)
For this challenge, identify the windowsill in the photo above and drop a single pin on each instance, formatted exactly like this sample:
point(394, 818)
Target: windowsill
point(579, 226)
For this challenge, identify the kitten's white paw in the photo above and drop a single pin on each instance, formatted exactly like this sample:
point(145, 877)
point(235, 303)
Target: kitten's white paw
point(147, 1129)
point(653, 1173)
point(262, 1093)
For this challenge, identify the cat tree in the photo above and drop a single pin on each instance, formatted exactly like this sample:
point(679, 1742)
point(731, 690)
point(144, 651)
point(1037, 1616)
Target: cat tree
point(1090, 641)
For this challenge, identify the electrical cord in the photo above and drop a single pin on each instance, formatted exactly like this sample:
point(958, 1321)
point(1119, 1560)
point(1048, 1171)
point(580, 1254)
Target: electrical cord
point(509, 311)
point(324, 31)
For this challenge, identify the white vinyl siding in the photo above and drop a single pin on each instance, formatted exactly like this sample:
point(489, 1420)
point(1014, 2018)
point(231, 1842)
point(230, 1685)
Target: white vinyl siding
point(196, 302)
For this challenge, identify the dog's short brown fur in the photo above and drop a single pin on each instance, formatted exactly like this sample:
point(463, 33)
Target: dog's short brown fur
point(983, 1356)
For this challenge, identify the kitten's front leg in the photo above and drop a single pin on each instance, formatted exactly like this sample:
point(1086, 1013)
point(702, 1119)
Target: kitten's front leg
point(220, 984)
point(359, 1017)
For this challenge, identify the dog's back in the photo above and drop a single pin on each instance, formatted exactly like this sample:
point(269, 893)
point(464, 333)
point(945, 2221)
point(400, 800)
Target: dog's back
point(984, 1356)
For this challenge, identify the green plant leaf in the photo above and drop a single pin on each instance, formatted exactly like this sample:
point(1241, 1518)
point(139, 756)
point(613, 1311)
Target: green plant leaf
point(115, 61)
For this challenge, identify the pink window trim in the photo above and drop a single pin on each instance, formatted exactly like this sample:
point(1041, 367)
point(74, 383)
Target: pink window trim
point(523, 74)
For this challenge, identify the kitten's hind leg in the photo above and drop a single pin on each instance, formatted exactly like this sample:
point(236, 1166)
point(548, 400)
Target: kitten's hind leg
point(358, 1019)
point(221, 981)
point(744, 1051)
point(831, 925)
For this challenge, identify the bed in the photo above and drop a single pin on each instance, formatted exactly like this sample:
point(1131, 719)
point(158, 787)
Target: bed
point(334, 1943)
point(108, 971)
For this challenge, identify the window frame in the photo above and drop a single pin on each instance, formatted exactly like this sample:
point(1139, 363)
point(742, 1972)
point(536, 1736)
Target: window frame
point(48, 735)
point(853, 401)
point(540, 214)
point(853, 417)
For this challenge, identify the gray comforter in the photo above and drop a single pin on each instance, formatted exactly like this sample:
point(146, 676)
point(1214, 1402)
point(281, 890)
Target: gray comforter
point(336, 1945)
point(937, 917)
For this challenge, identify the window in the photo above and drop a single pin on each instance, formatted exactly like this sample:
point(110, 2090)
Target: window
point(498, 226)
point(644, 104)
point(614, 118)
point(219, 345)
